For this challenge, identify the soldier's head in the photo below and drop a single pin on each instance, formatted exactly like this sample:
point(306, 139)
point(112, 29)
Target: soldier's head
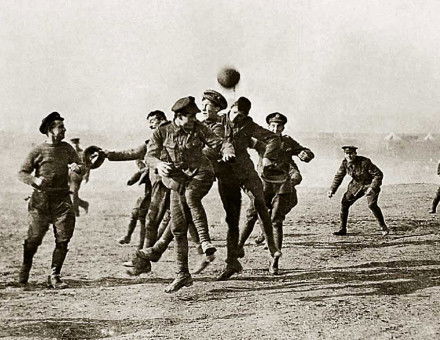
point(276, 122)
point(241, 107)
point(53, 126)
point(212, 103)
point(75, 141)
point(350, 152)
point(155, 118)
point(185, 110)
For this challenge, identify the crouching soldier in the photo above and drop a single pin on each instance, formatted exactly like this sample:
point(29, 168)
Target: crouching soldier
point(367, 179)
point(46, 170)
point(436, 199)
point(279, 181)
point(189, 175)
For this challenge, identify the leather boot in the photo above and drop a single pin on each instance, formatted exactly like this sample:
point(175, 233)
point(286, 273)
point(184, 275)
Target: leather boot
point(230, 269)
point(140, 266)
point(182, 280)
point(28, 255)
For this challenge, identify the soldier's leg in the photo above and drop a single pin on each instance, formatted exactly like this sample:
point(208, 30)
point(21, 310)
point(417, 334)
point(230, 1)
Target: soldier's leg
point(435, 202)
point(179, 229)
point(253, 187)
point(64, 225)
point(347, 201)
point(160, 200)
point(251, 219)
point(164, 224)
point(196, 190)
point(38, 225)
point(132, 224)
point(230, 194)
point(83, 204)
point(372, 199)
point(143, 209)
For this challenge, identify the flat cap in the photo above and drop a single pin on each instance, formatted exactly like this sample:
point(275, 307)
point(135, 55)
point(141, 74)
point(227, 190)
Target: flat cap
point(349, 147)
point(243, 104)
point(216, 97)
point(49, 119)
point(186, 105)
point(276, 117)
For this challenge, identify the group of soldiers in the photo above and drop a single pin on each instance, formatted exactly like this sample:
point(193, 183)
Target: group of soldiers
point(178, 166)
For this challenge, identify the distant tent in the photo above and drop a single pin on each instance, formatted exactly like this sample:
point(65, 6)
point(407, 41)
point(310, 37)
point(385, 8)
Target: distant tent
point(392, 137)
point(429, 138)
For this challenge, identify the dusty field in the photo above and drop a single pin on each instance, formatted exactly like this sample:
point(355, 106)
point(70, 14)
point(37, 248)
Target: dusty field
point(360, 286)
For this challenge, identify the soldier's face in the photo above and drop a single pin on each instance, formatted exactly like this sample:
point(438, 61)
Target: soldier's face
point(58, 130)
point(186, 121)
point(276, 127)
point(350, 155)
point(153, 122)
point(208, 110)
point(234, 113)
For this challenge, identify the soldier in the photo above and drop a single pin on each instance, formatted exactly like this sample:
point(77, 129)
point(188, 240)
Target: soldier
point(436, 199)
point(279, 181)
point(50, 202)
point(144, 207)
point(75, 181)
point(239, 129)
point(189, 175)
point(366, 181)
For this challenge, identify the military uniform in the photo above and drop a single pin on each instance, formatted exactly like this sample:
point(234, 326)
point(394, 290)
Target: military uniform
point(280, 196)
point(50, 203)
point(436, 199)
point(365, 175)
point(241, 175)
point(193, 178)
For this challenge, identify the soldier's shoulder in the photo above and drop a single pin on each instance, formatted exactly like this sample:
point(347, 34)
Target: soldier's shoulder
point(67, 146)
point(364, 159)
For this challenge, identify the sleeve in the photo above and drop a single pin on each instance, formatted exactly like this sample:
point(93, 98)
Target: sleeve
point(374, 171)
point(155, 146)
point(339, 177)
point(272, 141)
point(129, 154)
point(438, 169)
point(258, 146)
point(28, 166)
point(210, 138)
point(75, 158)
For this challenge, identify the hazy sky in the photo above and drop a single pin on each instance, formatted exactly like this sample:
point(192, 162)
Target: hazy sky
point(329, 65)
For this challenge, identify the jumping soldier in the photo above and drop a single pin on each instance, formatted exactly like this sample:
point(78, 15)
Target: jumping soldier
point(239, 129)
point(436, 199)
point(50, 202)
point(189, 175)
point(366, 181)
point(279, 181)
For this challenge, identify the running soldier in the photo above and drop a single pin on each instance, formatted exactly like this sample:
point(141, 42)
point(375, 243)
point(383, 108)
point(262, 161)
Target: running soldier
point(239, 129)
point(46, 170)
point(75, 181)
point(189, 175)
point(143, 206)
point(366, 181)
point(279, 181)
point(436, 199)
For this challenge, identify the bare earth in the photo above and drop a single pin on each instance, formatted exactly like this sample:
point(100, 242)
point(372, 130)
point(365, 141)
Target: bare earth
point(358, 287)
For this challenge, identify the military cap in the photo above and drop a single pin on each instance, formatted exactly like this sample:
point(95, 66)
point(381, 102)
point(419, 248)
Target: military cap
point(75, 140)
point(217, 98)
point(349, 147)
point(49, 119)
point(243, 104)
point(186, 105)
point(276, 117)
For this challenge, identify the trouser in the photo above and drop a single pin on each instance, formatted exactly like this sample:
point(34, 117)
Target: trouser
point(351, 196)
point(436, 200)
point(45, 209)
point(188, 207)
point(230, 187)
point(160, 203)
point(279, 206)
point(139, 213)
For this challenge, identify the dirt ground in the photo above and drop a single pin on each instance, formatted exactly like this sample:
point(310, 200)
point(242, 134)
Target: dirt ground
point(361, 286)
